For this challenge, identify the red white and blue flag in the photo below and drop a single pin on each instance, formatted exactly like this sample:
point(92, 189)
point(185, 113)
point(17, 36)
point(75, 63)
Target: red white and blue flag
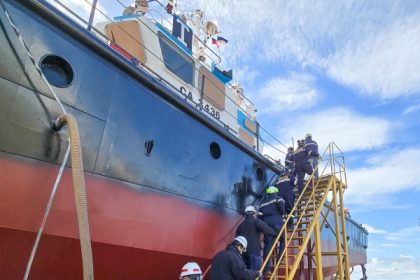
point(219, 41)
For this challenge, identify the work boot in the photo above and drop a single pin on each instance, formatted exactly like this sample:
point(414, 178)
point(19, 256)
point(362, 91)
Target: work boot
point(290, 223)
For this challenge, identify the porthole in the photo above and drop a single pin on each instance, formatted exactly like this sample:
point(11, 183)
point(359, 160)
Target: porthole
point(259, 174)
point(215, 151)
point(57, 71)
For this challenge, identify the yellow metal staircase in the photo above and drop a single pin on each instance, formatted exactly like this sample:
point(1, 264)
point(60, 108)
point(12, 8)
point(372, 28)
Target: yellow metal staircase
point(310, 211)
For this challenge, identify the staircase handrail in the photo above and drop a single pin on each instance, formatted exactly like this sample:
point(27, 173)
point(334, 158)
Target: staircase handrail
point(328, 156)
point(283, 229)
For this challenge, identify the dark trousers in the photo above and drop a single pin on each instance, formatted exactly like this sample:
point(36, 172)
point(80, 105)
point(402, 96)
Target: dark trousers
point(290, 201)
point(301, 170)
point(313, 161)
point(253, 261)
point(290, 167)
point(269, 241)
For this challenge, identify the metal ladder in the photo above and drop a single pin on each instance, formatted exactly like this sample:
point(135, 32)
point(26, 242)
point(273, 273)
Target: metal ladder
point(310, 211)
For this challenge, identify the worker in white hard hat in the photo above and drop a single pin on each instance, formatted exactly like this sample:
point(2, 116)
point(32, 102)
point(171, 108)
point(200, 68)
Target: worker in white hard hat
point(251, 229)
point(191, 271)
point(229, 265)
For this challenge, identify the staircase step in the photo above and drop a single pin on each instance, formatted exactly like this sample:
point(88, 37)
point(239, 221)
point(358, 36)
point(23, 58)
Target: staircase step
point(304, 210)
point(311, 200)
point(319, 193)
point(303, 222)
point(306, 215)
point(298, 230)
point(305, 201)
point(316, 196)
point(301, 206)
point(283, 265)
point(275, 277)
point(298, 237)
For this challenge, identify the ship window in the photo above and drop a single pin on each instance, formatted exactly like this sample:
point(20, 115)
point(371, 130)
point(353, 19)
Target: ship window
point(259, 174)
point(215, 150)
point(148, 145)
point(57, 71)
point(176, 60)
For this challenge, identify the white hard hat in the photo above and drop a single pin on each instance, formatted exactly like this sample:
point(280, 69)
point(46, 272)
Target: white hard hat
point(190, 268)
point(250, 209)
point(242, 240)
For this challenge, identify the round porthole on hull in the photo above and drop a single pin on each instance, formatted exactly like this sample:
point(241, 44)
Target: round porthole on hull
point(57, 71)
point(215, 150)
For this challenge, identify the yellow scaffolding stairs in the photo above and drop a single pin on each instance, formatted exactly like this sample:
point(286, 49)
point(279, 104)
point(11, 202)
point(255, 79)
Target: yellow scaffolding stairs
point(308, 211)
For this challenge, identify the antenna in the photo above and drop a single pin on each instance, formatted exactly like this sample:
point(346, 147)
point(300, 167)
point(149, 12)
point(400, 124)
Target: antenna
point(205, 6)
point(236, 63)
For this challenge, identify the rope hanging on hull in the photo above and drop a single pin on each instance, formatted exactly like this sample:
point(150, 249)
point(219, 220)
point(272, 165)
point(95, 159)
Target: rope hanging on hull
point(46, 213)
point(79, 190)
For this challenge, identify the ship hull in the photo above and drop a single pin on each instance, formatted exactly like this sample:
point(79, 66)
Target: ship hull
point(149, 211)
point(134, 233)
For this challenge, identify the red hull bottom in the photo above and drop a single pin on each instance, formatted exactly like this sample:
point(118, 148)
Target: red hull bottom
point(60, 258)
point(135, 234)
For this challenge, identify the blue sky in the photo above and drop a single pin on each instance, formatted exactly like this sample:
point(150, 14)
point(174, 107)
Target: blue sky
point(346, 71)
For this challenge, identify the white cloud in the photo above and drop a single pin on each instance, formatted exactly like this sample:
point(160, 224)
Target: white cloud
point(403, 235)
point(404, 267)
point(409, 235)
point(284, 94)
point(371, 46)
point(389, 245)
point(274, 151)
point(373, 230)
point(82, 8)
point(246, 73)
point(349, 130)
point(385, 64)
point(411, 109)
point(382, 176)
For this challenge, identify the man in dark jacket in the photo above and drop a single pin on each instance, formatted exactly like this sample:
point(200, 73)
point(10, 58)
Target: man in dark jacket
point(288, 161)
point(285, 184)
point(251, 229)
point(229, 265)
point(311, 148)
point(302, 166)
point(272, 209)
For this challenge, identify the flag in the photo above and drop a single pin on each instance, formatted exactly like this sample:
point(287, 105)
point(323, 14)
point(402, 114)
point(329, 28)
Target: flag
point(221, 40)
